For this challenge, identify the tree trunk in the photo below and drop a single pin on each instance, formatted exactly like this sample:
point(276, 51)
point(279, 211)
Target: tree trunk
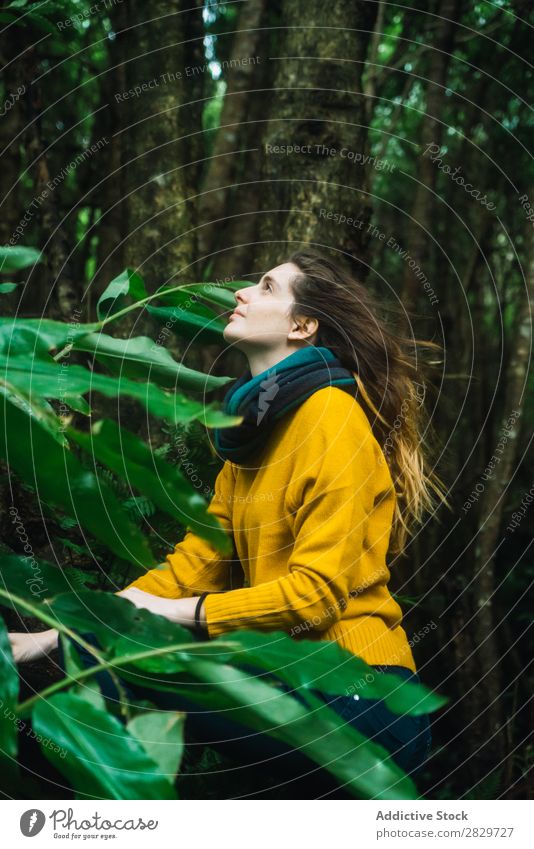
point(162, 113)
point(492, 502)
point(63, 291)
point(423, 211)
point(224, 160)
point(15, 84)
point(322, 77)
point(111, 194)
point(310, 159)
point(237, 232)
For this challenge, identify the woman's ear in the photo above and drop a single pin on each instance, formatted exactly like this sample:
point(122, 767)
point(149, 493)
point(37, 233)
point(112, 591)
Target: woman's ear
point(304, 328)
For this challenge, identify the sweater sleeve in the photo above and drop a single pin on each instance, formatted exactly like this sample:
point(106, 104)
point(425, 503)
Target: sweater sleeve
point(196, 565)
point(329, 500)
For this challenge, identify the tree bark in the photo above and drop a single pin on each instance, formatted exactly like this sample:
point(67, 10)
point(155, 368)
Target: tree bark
point(318, 102)
point(223, 162)
point(423, 210)
point(161, 138)
point(111, 194)
point(492, 502)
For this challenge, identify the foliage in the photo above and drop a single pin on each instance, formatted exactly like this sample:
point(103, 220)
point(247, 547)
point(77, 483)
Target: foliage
point(170, 660)
point(55, 458)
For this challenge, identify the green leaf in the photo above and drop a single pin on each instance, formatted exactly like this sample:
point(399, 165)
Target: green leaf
point(365, 768)
point(234, 285)
point(136, 463)
point(197, 325)
point(186, 296)
point(78, 403)
point(17, 258)
point(117, 622)
point(60, 479)
point(328, 667)
point(36, 378)
point(38, 579)
point(142, 357)
point(87, 690)
point(9, 691)
point(128, 284)
point(36, 408)
point(7, 287)
point(222, 295)
point(161, 734)
point(103, 760)
point(71, 659)
point(23, 336)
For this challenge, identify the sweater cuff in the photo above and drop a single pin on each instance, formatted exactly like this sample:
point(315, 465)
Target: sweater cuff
point(246, 608)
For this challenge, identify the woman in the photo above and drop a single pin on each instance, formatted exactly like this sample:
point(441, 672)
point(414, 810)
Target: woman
point(322, 479)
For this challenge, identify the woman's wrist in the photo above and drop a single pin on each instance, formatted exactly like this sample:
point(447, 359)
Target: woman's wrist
point(200, 627)
point(181, 611)
point(185, 610)
point(49, 640)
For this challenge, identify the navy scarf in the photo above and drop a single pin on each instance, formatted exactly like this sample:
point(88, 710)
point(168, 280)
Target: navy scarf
point(264, 399)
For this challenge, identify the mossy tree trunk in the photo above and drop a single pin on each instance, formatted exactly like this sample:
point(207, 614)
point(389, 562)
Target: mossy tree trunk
point(317, 105)
point(161, 142)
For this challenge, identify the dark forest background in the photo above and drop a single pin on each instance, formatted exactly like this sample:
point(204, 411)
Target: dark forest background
point(155, 136)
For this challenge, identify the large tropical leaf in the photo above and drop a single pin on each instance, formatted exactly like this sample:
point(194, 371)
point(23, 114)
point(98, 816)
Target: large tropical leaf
point(362, 767)
point(325, 665)
point(197, 324)
point(9, 691)
point(17, 257)
point(129, 285)
point(39, 378)
point(140, 356)
point(161, 734)
point(135, 462)
point(36, 408)
point(212, 292)
point(22, 336)
point(38, 580)
point(59, 478)
point(103, 759)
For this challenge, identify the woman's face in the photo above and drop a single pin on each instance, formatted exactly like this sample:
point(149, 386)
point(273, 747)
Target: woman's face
point(261, 316)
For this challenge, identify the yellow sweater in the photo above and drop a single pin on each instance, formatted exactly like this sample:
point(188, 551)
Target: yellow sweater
point(311, 527)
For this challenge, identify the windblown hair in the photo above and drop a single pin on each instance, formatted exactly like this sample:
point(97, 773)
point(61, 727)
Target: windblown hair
point(388, 374)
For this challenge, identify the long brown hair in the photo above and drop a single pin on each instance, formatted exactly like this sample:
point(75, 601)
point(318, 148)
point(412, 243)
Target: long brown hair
point(389, 373)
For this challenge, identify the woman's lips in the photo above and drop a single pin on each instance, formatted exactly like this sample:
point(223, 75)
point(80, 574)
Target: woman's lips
point(234, 314)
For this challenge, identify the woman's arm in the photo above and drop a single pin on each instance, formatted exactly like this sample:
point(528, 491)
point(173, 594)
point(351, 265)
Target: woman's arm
point(195, 566)
point(26, 646)
point(330, 499)
point(179, 610)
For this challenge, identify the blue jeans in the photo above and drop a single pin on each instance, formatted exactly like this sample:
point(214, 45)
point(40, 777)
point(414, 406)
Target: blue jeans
point(407, 738)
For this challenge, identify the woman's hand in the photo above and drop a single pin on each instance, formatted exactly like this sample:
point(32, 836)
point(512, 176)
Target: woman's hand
point(26, 646)
point(178, 610)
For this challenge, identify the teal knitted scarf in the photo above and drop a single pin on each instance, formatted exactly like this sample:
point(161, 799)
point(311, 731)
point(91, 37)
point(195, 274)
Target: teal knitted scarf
point(262, 400)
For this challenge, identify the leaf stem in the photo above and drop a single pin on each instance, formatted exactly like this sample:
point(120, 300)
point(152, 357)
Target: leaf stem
point(48, 619)
point(24, 707)
point(124, 311)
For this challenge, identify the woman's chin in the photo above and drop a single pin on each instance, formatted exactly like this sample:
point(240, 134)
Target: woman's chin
point(231, 334)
